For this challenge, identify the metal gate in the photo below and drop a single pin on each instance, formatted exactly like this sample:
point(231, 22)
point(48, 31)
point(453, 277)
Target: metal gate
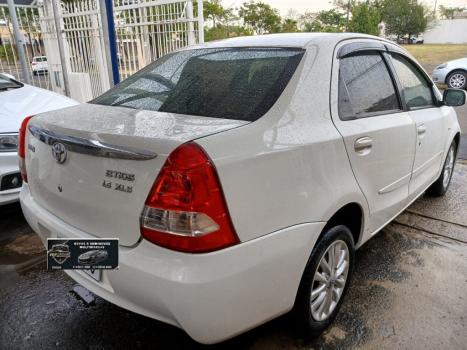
point(28, 20)
point(145, 30)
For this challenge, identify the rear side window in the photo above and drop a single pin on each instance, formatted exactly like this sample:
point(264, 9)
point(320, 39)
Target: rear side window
point(229, 83)
point(416, 91)
point(365, 87)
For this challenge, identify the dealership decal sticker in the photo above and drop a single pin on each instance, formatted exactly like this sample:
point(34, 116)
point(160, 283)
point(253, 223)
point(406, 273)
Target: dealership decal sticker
point(82, 254)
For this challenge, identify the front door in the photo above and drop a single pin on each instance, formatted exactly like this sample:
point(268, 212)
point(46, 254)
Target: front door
point(429, 122)
point(378, 135)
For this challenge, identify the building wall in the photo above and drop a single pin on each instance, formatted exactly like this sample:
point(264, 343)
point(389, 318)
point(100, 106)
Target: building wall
point(447, 31)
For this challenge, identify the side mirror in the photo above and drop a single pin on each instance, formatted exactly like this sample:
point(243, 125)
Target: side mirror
point(9, 76)
point(454, 97)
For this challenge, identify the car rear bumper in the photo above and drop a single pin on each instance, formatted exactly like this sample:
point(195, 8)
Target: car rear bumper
point(212, 296)
point(8, 165)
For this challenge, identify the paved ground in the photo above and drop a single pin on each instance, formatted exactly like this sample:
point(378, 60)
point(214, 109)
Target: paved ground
point(409, 291)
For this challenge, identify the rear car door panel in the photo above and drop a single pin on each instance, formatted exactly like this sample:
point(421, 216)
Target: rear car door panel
point(379, 136)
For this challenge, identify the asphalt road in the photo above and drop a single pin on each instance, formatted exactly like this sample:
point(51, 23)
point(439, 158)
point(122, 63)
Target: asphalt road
point(408, 291)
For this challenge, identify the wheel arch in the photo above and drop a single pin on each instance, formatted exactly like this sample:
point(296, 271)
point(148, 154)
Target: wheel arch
point(350, 215)
point(452, 71)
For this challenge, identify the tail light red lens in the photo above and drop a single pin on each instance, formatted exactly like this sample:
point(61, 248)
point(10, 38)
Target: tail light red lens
point(186, 209)
point(22, 147)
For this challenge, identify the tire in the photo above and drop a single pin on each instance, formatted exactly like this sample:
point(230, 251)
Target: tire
point(457, 79)
point(309, 318)
point(441, 185)
point(34, 73)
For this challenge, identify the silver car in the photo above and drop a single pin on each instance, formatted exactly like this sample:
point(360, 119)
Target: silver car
point(452, 73)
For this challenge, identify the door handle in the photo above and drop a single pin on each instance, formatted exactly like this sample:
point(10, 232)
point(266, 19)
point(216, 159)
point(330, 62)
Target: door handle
point(421, 129)
point(363, 145)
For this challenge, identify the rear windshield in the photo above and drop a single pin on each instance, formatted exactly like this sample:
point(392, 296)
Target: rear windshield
point(40, 59)
point(229, 83)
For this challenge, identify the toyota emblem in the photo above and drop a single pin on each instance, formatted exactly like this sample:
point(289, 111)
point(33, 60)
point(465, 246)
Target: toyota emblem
point(59, 152)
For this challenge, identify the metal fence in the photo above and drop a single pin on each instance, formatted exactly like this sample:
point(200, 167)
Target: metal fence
point(28, 20)
point(82, 29)
point(145, 30)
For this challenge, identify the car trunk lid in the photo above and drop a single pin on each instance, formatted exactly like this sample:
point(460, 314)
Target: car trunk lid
point(93, 166)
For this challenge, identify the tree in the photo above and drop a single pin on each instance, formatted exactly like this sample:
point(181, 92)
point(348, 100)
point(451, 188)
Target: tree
point(305, 21)
point(365, 18)
point(289, 26)
point(331, 21)
point(346, 7)
point(449, 12)
point(214, 11)
point(221, 31)
point(260, 17)
point(404, 17)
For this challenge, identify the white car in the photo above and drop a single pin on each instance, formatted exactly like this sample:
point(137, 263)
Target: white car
point(39, 65)
point(452, 73)
point(17, 101)
point(240, 175)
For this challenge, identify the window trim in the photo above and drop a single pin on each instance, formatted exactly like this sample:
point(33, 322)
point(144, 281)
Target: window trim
point(395, 83)
point(358, 47)
point(435, 101)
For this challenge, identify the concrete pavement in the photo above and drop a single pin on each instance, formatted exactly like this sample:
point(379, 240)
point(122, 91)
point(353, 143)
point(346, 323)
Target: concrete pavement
point(408, 291)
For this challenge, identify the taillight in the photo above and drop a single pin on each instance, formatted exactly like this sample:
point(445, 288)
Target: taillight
point(22, 148)
point(186, 208)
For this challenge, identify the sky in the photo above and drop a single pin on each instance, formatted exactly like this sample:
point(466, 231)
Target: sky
point(317, 5)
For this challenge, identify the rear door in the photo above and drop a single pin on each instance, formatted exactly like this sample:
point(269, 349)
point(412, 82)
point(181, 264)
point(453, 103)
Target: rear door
point(379, 135)
point(418, 94)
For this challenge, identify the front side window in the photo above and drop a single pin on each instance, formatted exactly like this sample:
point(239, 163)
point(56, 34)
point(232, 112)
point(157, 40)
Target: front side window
point(415, 88)
point(365, 87)
point(230, 83)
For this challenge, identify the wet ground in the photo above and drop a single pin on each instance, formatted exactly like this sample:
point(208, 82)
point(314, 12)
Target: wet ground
point(409, 291)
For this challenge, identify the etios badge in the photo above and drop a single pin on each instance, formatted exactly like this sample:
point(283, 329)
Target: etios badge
point(59, 152)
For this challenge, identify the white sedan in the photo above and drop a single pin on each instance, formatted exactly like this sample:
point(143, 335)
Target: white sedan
point(17, 101)
point(240, 175)
point(452, 73)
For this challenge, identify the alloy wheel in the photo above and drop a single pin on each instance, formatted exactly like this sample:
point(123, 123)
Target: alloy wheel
point(448, 167)
point(457, 81)
point(329, 280)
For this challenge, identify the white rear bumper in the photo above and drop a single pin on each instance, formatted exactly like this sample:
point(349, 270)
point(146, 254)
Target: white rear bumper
point(211, 296)
point(8, 165)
